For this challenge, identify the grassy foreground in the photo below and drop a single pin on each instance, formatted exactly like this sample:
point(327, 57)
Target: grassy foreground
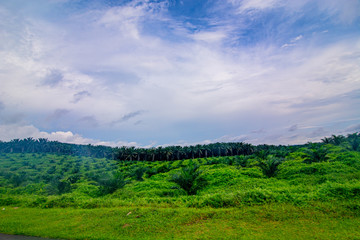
point(336, 220)
point(309, 191)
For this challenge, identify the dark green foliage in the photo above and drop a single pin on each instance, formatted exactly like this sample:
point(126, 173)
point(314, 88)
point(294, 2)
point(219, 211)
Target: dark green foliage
point(162, 168)
point(338, 190)
point(51, 170)
point(110, 182)
point(17, 179)
point(262, 154)
point(355, 144)
point(58, 186)
point(231, 181)
point(171, 153)
point(354, 141)
point(241, 161)
point(189, 179)
point(138, 173)
point(316, 154)
point(74, 178)
point(335, 140)
point(44, 146)
point(150, 172)
point(269, 165)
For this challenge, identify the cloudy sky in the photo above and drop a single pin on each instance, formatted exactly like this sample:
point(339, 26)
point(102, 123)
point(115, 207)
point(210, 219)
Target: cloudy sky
point(158, 72)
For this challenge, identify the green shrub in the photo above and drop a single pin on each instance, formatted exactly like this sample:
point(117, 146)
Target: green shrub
point(255, 196)
point(60, 202)
point(110, 182)
point(38, 202)
point(189, 179)
point(316, 154)
point(87, 189)
point(17, 179)
point(220, 200)
point(269, 166)
point(6, 201)
point(241, 161)
point(138, 173)
point(339, 190)
point(58, 186)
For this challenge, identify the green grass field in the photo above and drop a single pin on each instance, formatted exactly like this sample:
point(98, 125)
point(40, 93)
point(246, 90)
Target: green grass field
point(270, 221)
point(306, 192)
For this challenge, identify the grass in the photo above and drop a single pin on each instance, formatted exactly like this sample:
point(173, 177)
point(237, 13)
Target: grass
point(337, 220)
point(63, 197)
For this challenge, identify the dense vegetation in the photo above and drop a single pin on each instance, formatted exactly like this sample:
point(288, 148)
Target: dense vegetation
point(42, 145)
point(170, 153)
point(314, 171)
point(303, 176)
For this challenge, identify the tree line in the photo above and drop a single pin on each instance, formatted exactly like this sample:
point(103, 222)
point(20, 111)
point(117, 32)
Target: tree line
point(169, 153)
point(42, 145)
point(172, 153)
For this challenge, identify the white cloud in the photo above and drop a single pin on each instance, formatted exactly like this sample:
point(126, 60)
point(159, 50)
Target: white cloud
point(297, 38)
point(340, 12)
point(255, 5)
point(198, 78)
point(259, 4)
point(211, 37)
point(14, 131)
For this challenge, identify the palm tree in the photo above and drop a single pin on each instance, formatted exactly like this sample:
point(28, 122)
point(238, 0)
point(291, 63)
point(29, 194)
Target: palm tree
point(159, 153)
point(269, 166)
point(168, 153)
point(316, 154)
point(192, 150)
point(121, 153)
point(354, 141)
point(144, 153)
point(179, 152)
point(337, 140)
point(130, 152)
point(218, 147)
point(189, 179)
point(152, 152)
point(206, 149)
point(229, 149)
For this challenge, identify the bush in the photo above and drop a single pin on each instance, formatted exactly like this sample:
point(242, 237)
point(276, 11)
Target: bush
point(316, 154)
point(87, 189)
point(241, 161)
point(341, 191)
point(6, 201)
point(17, 179)
point(58, 186)
point(109, 183)
point(269, 166)
point(256, 196)
point(38, 202)
point(220, 200)
point(138, 173)
point(189, 179)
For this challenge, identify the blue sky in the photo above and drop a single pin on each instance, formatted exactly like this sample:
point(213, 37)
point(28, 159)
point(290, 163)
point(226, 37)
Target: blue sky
point(166, 72)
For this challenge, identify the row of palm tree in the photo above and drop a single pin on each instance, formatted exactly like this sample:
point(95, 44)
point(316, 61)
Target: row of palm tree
point(161, 153)
point(172, 153)
point(351, 141)
point(42, 145)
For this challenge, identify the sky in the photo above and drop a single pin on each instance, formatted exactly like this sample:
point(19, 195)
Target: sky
point(147, 73)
